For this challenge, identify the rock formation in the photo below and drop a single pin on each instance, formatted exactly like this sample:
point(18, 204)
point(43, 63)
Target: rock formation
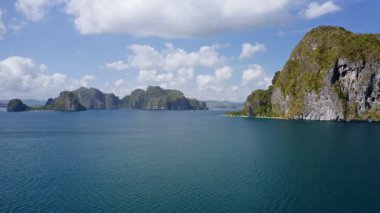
point(156, 98)
point(16, 105)
point(92, 98)
point(153, 98)
point(332, 74)
point(66, 101)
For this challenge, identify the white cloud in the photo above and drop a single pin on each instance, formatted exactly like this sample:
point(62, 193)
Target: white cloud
point(166, 80)
point(223, 73)
point(173, 68)
point(216, 82)
point(206, 56)
point(3, 29)
point(255, 75)
point(184, 74)
point(84, 81)
point(145, 57)
point(119, 87)
point(204, 73)
point(171, 58)
point(117, 65)
point(316, 10)
point(23, 78)
point(35, 10)
point(204, 81)
point(173, 18)
point(146, 75)
point(43, 67)
point(248, 50)
point(119, 82)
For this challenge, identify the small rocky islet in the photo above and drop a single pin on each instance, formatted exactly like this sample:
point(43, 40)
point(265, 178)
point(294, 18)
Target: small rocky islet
point(16, 105)
point(332, 74)
point(154, 98)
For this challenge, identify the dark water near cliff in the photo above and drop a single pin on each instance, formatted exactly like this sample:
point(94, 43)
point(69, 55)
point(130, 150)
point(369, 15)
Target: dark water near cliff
point(188, 161)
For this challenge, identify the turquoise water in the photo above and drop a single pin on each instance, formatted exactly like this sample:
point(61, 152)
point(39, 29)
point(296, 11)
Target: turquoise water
point(185, 161)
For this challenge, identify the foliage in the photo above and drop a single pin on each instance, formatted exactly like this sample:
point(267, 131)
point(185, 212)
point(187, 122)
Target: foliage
point(158, 98)
point(259, 103)
point(236, 113)
point(315, 55)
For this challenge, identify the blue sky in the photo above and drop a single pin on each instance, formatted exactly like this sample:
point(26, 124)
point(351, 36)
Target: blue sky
point(210, 50)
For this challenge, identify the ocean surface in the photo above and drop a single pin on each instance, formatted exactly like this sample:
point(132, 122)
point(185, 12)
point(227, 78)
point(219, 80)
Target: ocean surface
point(185, 161)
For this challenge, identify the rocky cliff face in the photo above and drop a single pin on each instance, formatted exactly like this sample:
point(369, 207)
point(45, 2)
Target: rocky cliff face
point(92, 98)
point(16, 105)
point(66, 101)
point(156, 98)
point(332, 74)
point(83, 99)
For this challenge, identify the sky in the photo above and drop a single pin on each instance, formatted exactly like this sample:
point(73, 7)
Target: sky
point(210, 50)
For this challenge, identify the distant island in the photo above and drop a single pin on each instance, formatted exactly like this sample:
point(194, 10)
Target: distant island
point(224, 105)
point(154, 98)
point(332, 74)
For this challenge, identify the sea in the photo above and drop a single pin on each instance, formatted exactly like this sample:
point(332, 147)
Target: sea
point(185, 161)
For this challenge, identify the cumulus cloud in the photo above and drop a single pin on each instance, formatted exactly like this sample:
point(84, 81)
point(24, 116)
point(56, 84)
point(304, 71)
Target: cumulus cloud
point(82, 82)
point(216, 82)
point(316, 10)
point(203, 73)
point(3, 28)
point(255, 75)
point(145, 57)
point(171, 59)
point(120, 86)
point(191, 18)
point(248, 50)
point(170, 67)
point(223, 73)
point(22, 77)
point(119, 82)
point(205, 81)
point(117, 65)
point(167, 79)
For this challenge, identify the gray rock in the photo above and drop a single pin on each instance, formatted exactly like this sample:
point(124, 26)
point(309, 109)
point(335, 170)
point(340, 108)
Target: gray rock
point(156, 98)
point(92, 98)
point(16, 105)
point(66, 101)
point(280, 103)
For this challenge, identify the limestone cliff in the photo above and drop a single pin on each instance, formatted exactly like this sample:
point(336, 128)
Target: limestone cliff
point(66, 101)
point(16, 105)
point(92, 98)
point(156, 98)
point(153, 98)
point(332, 74)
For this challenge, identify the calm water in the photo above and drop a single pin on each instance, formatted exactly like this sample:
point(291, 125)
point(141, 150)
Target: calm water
point(188, 161)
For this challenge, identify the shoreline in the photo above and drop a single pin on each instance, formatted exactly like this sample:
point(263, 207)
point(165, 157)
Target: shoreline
point(260, 117)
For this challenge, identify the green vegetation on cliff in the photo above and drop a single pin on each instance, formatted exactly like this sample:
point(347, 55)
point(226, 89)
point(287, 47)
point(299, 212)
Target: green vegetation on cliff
point(16, 105)
point(259, 103)
point(156, 98)
point(66, 101)
point(316, 54)
point(331, 74)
